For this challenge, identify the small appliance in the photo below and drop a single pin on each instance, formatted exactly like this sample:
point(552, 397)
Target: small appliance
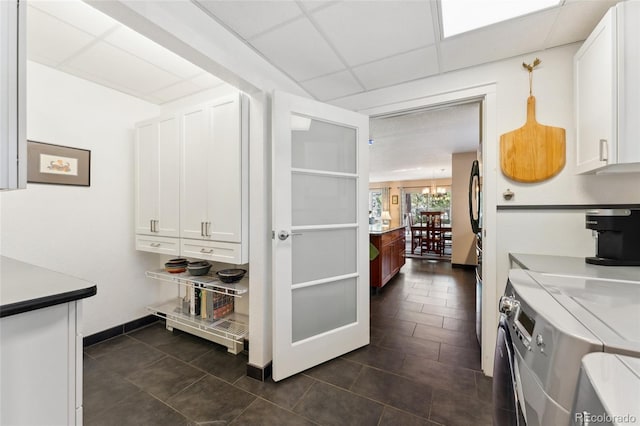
point(617, 233)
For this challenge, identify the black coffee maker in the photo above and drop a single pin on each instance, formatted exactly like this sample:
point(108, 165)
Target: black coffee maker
point(618, 236)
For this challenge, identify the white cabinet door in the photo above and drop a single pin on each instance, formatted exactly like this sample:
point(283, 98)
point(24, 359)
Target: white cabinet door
point(157, 177)
point(225, 170)
point(146, 193)
point(595, 86)
point(321, 241)
point(214, 171)
point(196, 161)
point(168, 219)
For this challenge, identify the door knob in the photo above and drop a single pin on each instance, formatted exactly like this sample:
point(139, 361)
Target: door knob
point(283, 235)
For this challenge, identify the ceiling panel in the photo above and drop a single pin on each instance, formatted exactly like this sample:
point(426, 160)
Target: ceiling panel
point(576, 20)
point(504, 40)
point(419, 145)
point(299, 50)
point(137, 76)
point(397, 69)
point(207, 80)
point(176, 91)
point(333, 86)
point(82, 15)
point(140, 46)
point(250, 18)
point(50, 40)
point(364, 31)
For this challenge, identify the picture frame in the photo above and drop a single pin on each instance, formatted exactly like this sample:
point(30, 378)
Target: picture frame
point(58, 165)
point(394, 199)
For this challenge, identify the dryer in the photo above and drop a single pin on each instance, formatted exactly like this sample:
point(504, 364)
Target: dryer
point(548, 323)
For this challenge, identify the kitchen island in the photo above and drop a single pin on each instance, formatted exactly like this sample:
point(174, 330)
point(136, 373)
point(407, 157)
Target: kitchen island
point(390, 243)
point(40, 345)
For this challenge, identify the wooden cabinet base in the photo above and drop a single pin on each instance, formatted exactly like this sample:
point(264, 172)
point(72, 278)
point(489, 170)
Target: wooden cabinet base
point(387, 264)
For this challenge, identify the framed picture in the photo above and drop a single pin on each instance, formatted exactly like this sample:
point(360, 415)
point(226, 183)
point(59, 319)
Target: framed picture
point(394, 199)
point(58, 165)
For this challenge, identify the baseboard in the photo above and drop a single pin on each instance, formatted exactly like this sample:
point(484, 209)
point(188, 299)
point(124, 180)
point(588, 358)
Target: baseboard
point(463, 266)
point(259, 373)
point(118, 330)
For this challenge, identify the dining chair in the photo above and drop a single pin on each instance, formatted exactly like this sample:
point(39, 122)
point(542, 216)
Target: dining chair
point(432, 238)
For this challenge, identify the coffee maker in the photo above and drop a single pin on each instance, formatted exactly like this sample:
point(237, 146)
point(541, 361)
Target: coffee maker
point(617, 234)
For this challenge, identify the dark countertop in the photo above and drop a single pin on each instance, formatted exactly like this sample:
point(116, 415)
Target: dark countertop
point(379, 229)
point(25, 287)
point(573, 266)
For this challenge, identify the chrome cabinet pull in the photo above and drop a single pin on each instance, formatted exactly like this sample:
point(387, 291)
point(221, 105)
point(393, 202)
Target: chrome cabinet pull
point(203, 250)
point(604, 150)
point(150, 225)
point(207, 229)
point(202, 229)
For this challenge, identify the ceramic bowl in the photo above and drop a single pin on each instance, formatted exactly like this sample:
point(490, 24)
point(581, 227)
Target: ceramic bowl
point(231, 275)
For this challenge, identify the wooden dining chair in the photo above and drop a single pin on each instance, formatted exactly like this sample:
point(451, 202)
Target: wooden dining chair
point(432, 238)
point(416, 233)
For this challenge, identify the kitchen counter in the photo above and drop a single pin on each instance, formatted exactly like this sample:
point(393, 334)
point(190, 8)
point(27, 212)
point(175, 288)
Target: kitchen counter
point(27, 287)
point(40, 345)
point(391, 245)
point(573, 266)
point(379, 229)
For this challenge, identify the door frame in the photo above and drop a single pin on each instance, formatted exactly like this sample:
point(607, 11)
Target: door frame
point(492, 290)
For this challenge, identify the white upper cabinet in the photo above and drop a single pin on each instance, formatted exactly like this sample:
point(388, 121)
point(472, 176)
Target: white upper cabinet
point(213, 194)
point(192, 182)
point(13, 143)
point(607, 92)
point(157, 152)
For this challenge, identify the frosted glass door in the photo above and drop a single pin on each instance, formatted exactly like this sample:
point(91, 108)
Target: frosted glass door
point(321, 267)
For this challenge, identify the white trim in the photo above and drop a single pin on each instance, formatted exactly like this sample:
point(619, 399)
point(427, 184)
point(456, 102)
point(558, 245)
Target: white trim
point(323, 227)
point(325, 281)
point(323, 173)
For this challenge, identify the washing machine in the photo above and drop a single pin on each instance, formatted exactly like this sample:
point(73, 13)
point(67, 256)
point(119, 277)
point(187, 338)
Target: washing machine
point(608, 391)
point(548, 323)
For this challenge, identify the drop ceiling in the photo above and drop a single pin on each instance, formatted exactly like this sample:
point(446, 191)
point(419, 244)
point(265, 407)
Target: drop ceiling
point(331, 49)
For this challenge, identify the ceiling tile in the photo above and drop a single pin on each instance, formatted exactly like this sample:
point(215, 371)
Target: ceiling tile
point(249, 18)
point(79, 14)
point(500, 41)
point(576, 20)
point(299, 50)
point(397, 69)
point(50, 40)
point(364, 31)
point(333, 86)
point(104, 61)
point(140, 46)
point(176, 91)
point(207, 81)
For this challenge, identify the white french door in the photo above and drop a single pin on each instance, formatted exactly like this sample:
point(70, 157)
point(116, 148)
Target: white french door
point(321, 235)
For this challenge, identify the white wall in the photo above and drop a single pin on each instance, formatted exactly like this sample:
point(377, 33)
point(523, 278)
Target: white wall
point(533, 231)
point(463, 240)
point(87, 232)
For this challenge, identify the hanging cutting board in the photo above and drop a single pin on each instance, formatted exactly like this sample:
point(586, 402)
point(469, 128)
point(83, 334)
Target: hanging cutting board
point(533, 152)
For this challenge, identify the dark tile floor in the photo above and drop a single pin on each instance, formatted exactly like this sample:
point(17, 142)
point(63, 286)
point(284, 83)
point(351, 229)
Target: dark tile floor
point(421, 368)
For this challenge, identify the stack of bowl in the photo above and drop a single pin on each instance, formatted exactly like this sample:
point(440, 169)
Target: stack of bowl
point(198, 268)
point(175, 266)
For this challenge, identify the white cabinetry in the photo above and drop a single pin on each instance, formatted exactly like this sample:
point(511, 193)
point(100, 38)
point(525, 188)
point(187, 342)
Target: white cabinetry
point(607, 92)
point(213, 191)
point(157, 152)
point(13, 144)
point(192, 182)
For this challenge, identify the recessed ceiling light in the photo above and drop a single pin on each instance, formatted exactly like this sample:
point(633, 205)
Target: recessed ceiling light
point(459, 16)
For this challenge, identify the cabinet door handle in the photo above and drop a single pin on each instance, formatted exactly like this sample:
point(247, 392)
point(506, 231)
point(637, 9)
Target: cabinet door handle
point(207, 229)
point(202, 229)
point(150, 225)
point(155, 244)
point(604, 150)
point(210, 251)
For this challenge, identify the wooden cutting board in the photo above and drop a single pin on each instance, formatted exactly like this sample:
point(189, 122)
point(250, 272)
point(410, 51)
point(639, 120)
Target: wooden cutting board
point(533, 152)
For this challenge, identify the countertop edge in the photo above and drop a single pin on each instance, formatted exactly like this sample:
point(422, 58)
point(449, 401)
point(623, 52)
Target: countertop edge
point(44, 302)
point(384, 231)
